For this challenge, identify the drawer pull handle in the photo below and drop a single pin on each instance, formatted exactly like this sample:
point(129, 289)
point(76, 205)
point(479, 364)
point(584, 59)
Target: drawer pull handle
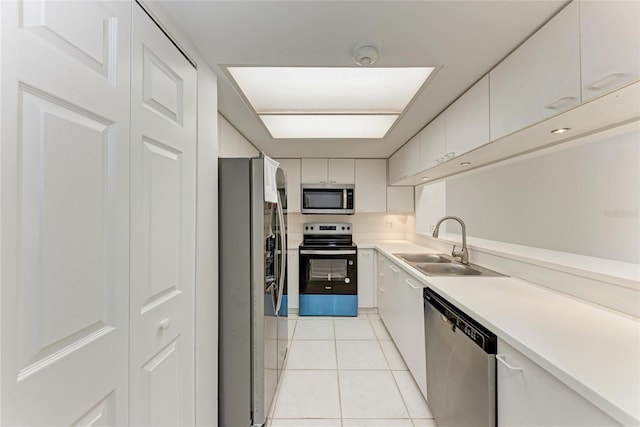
point(562, 102)
point(395, 270)
point(500, 358)
point(411, 284)
point(450, 155)
point(605, 82)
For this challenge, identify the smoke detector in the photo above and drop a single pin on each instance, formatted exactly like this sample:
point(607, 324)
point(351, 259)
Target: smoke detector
point(365, 55)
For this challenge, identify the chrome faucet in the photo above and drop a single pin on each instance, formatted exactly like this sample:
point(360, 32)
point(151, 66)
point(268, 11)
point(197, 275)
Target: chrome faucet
point(462, 256)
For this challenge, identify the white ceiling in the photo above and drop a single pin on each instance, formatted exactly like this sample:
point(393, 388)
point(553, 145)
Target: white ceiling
point(466, 38)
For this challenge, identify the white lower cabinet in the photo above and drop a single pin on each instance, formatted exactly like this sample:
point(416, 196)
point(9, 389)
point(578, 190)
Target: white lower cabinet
point(381, 285)
point(528, 395)
point(403, 316)
point(366, 285)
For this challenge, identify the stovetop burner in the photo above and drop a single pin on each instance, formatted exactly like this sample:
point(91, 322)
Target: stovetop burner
point(327, 235)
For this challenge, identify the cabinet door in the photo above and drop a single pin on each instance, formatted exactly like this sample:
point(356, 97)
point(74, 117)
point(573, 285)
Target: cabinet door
point(366, 286)
point(406, 161)
point(381, 286)
point(394, 302)
point(400, 199)
point(528, 395)
point(411, 156)
point(291, 168)
point(411, 338)
point(609, 44)
point(371, 185)
point(467, 124)
point(314, 171)
point(395, 167)
point(432, 143)
point(539, 79)
point(341, 171)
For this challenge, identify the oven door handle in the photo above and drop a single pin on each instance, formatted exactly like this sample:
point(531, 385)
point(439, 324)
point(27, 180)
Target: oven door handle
point(327, 252)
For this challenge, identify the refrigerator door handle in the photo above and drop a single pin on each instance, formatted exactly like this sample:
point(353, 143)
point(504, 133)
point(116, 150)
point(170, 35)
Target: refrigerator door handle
point(283, 257)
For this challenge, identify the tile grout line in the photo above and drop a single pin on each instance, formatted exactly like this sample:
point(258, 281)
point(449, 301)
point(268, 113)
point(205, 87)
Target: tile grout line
point(335, 346)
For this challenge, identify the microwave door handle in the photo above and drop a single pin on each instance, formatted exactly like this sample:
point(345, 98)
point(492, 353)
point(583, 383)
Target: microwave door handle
point(344, 199)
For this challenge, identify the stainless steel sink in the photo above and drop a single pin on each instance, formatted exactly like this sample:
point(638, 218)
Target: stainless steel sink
point(447, 269)
point(422, 258)
point(444, 265)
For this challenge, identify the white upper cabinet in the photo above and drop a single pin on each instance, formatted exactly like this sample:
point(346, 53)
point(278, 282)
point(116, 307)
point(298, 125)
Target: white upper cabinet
point(371, 184)
point(400, 199)
point(291, 168)
point(406, 161)
point(467, 120)
point(314, 171)
point(432, 143)
point(341, 171)
point(328, 171)
point(539, 79)
point(610, 45)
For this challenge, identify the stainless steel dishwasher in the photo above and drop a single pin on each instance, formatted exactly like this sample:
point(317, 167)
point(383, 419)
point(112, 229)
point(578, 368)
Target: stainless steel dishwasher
point(461, 366)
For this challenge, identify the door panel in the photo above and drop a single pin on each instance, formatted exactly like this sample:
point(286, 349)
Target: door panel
point(65, 212)
point(163, 107)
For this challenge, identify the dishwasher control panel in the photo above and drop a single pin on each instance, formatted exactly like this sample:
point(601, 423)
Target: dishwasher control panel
point(480, 335)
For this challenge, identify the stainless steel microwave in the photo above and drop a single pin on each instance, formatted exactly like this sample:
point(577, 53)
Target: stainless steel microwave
point(330, 199)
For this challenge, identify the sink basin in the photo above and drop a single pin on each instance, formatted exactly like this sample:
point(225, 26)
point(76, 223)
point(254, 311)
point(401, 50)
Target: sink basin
point(447, 269)
point(424, 258)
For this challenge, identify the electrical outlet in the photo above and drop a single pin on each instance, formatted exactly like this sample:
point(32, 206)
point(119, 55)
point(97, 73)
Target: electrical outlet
point(388, 224)
point(432, 227)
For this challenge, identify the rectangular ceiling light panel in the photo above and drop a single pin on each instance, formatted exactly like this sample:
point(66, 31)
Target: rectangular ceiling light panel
point(329, 90)
point(301, 126)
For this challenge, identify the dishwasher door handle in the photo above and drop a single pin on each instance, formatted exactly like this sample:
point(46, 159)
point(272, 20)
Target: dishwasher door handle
point(500, 358)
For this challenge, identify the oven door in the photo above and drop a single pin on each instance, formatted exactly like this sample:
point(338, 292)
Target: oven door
point(328, 271)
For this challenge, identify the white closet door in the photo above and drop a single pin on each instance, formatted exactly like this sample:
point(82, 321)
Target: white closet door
point(163, 172)
point(65, 213)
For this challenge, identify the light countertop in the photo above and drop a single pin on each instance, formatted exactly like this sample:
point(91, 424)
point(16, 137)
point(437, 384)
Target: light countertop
point(593, 350)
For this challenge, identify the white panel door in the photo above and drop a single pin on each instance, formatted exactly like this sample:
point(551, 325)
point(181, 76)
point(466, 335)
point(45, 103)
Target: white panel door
point(163, 149)
point(432, 143)
point(65, 213)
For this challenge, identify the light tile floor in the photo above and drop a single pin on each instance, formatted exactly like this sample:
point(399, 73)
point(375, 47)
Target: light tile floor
point(346, 372)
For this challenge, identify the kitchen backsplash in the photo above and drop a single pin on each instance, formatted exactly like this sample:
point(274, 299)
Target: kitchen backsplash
point(366, 226)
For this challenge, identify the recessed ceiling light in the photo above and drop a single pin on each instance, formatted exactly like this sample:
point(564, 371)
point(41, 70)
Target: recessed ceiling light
point(330, 126)
point(425, 178)
point(465, 163)
point(561, 130)
point(345, 91)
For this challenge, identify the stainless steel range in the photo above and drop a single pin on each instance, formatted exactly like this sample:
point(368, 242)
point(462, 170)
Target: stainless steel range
point(328, 271)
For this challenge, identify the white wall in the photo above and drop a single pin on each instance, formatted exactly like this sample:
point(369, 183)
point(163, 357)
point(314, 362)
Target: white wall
point(232, 142)
point(365, 226)
point(583, 199)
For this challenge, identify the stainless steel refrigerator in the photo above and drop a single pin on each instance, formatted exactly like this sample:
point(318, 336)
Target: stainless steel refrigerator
point(253, 273)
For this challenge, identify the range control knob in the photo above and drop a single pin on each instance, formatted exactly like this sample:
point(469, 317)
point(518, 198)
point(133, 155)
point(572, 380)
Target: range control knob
point(348, 228)
point(306, 228)
point(312, 228)
point(343, 228)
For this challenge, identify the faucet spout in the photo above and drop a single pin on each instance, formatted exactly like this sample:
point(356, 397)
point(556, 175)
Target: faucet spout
point(462, 256)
